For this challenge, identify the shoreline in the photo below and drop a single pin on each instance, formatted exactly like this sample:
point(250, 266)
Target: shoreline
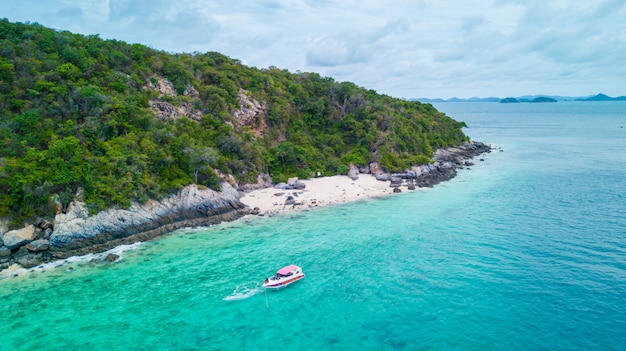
point(318, 192)
point(79, 234)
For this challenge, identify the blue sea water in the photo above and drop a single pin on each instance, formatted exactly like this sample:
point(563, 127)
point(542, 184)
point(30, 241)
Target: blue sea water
point(524, 251)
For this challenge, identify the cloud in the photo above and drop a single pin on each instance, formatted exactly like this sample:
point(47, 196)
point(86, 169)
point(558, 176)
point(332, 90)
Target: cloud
point(405, 48)
point(327, 52)
point(352, 47)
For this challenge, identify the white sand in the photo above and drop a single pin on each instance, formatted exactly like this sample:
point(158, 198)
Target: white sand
point(319, 192)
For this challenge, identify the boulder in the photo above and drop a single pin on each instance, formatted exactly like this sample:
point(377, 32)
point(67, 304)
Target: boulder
point(112, 257)
point(383, 177)
point(375, 169)
point(45, 225)
point(294, 183)
point(353, 173)
point(228, 178)
point(299, 185)
point(19, 237)
point(290, 201)
point(28, 259)
point(282, 186)
point(5, 254)
point(38, 245)
point(263, 181)
point(396, 182)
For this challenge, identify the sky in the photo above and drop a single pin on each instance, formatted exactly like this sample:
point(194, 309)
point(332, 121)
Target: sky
point(402, 48)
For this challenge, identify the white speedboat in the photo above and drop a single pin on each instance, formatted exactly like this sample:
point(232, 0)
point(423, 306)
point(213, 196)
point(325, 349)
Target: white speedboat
point(284, 277)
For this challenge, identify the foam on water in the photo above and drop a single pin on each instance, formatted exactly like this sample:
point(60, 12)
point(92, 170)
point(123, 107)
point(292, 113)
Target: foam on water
point(69, 263)
point(244, 291)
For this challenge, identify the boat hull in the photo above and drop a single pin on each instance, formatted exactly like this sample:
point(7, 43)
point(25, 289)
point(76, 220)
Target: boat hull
point(281, 283)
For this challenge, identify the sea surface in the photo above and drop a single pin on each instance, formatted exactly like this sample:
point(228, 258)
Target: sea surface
point(526, 250)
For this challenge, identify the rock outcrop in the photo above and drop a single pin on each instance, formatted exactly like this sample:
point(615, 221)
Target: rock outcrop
point(444, 166)
point(165, 110)
point(251, 113)
point(76, 233)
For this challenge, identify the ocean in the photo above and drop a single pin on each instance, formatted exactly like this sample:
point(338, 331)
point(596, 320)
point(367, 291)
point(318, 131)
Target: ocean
point(525, 250)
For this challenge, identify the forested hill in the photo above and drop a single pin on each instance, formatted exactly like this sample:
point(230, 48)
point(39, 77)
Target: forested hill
point(129, 123)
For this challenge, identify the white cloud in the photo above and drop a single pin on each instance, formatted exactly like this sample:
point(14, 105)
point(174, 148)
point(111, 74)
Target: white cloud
point(92, 10)
point(401, 48)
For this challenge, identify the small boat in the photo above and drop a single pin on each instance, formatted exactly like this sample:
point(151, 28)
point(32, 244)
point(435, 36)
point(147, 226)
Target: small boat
point(284, 277)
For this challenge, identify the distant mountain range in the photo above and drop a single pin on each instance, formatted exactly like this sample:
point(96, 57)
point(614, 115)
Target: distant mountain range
point(528, 98)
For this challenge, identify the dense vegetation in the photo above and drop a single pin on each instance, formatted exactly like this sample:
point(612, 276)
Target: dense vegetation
point(75, 114)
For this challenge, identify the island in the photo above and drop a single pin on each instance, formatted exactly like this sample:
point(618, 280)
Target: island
point(542, 99)
point(107, 143)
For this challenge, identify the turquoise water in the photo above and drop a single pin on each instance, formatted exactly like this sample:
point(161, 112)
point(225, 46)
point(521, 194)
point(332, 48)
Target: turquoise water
point(525, 251)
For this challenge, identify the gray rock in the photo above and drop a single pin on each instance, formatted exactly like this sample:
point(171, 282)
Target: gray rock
point(375, 169)
point(282, 186)
point(45, 225)
point(250, 111)
point(112, 257)
point(353, 173)
point(299, 185)
point(445, 163)
point(19, 237)
point(38, 245)
point(75, 233)
point(290, 201)
point(383, 177)
point(28, 259)
point(396, 182)
point(5, 254)
point(397, 190)
point(263, 181)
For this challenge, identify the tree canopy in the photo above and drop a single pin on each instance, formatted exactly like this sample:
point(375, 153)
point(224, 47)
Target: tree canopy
point(80, 112)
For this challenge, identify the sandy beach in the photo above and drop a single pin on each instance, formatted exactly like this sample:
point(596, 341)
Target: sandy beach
point(319, 192)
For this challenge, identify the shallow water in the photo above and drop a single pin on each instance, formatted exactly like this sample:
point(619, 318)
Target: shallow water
point(525, 251)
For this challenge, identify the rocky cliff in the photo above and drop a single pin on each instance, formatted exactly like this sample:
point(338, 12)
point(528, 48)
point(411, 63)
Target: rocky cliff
point(75, 232)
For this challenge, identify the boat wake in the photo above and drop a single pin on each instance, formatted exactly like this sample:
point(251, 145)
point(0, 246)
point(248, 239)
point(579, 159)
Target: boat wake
point(244, 291)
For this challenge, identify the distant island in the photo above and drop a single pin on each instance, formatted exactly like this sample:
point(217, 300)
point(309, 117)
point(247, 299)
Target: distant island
point(602, 97)
point(542, 99)
point(527, 98)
